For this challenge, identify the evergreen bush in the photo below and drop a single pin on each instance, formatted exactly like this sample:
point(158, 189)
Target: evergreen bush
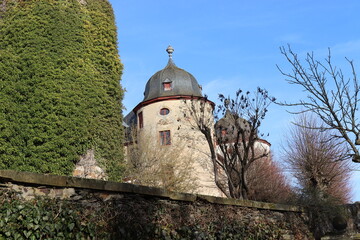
point(59, 86)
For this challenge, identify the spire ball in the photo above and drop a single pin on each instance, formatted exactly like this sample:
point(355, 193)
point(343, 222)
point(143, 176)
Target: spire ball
point(170, 51)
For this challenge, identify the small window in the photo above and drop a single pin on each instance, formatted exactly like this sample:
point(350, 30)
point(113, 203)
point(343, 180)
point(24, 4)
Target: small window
point(141, 120)
point(164, 111)
point(167, 86)
point(165, 138)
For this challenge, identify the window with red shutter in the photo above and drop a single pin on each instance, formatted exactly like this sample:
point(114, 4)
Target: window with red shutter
point(141, 120)
point(167, 86)
point(165, 137)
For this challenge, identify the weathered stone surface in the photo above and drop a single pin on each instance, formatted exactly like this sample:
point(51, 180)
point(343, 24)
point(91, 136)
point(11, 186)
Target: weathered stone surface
point(136, 200)
point(88, 167)
point(73, 182)
point(82, 2)
point(79, 171)
point(356, 236)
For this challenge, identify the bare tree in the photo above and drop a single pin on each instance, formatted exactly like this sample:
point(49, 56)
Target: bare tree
point(316, 161)
point(199, 113)
point(235, 145)
point(160, 166)
point(333, 97)
point(267, 182)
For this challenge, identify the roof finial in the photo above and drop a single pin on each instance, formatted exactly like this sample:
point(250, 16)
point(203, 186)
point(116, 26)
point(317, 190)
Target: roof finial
point(170, 50)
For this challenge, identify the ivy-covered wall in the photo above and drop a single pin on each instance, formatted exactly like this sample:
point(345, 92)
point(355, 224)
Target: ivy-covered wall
point(42, 206)
point(60, 92)
point(38, 206)
point(129, 217)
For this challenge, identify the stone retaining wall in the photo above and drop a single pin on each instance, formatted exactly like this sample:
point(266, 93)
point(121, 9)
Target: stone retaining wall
point(133, 205)
point(53, 186)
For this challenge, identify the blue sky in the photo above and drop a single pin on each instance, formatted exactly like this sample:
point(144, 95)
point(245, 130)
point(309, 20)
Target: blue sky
point(234, 44)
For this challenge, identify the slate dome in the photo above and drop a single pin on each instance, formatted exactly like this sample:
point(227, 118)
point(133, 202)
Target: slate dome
point(171, 81)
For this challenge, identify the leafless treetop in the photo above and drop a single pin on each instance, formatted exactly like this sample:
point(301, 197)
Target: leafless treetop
point(333, 97)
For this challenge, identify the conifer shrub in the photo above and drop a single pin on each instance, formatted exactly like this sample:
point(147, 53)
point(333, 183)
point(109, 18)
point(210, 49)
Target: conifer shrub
point(59, 86)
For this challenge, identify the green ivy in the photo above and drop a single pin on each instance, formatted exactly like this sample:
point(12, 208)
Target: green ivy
point(219, 230)
point(92, 218)
point(59, 84)
point(44, 219)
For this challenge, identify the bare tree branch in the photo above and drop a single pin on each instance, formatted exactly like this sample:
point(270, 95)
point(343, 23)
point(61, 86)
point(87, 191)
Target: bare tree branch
point(316, 161)
point(235, 145)
point(160, 167)
point(336, 107)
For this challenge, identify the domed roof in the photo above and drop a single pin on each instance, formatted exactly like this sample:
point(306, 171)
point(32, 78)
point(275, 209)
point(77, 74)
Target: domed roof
point(171, 81)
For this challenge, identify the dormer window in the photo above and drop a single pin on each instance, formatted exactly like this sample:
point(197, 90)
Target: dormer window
point(167, 86)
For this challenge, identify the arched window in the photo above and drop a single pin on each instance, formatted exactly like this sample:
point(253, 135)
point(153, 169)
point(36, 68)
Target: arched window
point(164, 111)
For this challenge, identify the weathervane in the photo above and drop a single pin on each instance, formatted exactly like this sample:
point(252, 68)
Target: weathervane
point(170, 51)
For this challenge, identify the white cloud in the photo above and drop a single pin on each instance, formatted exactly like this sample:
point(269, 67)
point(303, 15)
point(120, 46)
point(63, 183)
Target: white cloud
point(350, 47)
point(220, 85)
point(292, 38)
point(229, 86)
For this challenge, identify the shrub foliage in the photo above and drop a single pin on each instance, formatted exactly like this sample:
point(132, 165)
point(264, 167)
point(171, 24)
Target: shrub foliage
point(59, 85)
point(44, 218)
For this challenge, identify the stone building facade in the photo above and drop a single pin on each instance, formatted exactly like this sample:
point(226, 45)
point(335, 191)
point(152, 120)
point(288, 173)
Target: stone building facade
point(162, 119)
point(166, 119)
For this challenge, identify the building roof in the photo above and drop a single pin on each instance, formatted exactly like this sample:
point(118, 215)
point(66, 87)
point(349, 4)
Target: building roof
point(182, 82)
point(231, 123)
point(227, 128)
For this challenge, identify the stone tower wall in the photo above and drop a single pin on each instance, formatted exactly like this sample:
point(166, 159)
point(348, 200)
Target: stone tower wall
point(184, 134)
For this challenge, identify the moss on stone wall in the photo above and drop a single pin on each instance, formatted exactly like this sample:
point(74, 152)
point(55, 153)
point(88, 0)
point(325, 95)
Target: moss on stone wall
point(88, 214)
point(59, 85)
point(126, 211)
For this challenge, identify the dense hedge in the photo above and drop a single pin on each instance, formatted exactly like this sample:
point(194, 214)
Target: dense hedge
point(59, 85)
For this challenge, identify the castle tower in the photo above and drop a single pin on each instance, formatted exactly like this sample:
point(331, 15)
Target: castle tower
point(163, 119)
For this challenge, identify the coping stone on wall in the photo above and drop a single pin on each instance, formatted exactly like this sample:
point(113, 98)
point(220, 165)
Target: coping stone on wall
point(92, 184)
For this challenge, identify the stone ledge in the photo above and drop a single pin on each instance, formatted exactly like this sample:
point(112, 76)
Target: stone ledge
point(92, 184)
